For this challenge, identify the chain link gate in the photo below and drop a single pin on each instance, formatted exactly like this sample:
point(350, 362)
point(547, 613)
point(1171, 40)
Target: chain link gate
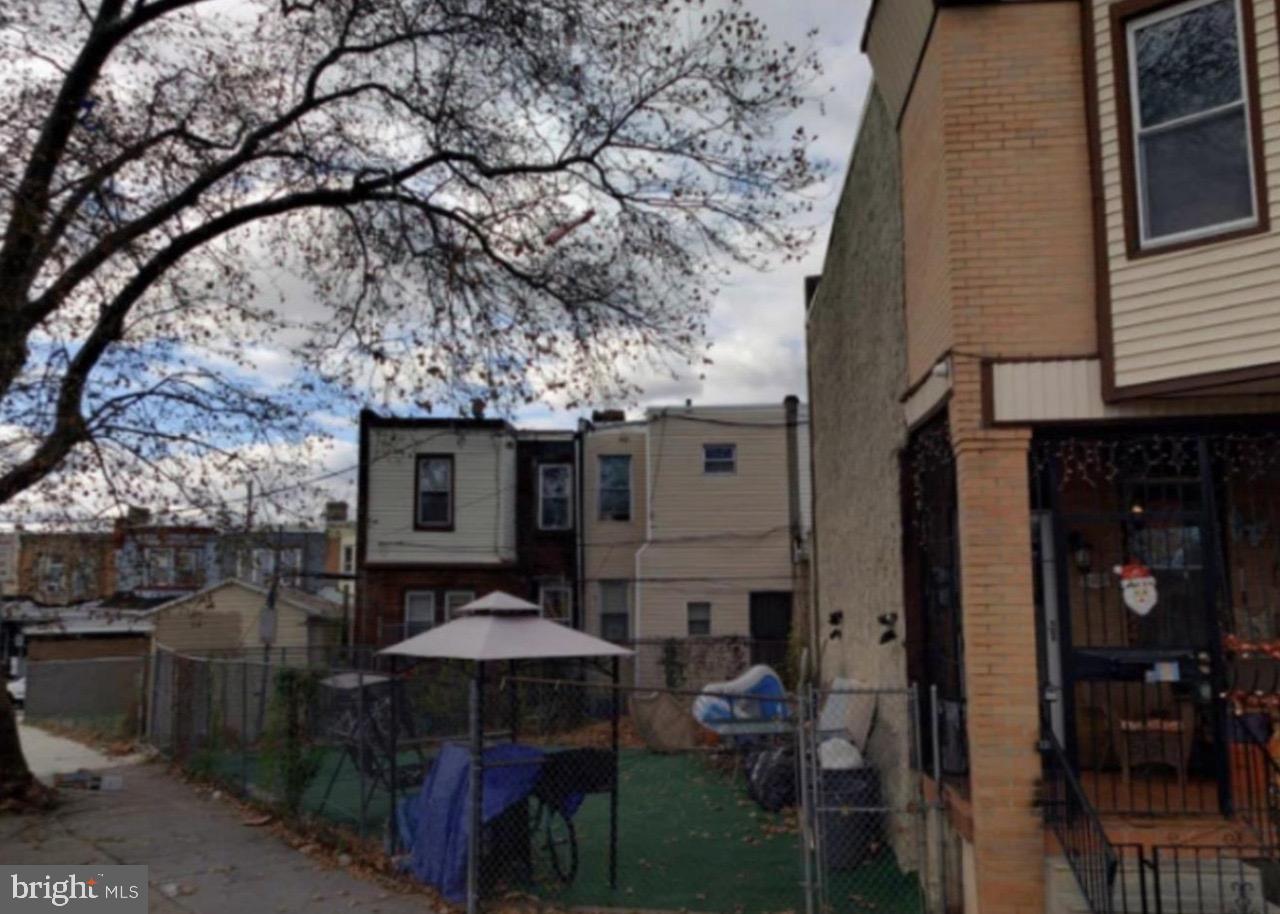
point(863, 814)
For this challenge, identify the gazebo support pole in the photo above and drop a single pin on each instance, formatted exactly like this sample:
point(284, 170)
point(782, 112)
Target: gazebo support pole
point(476, 788)
point(395, 751)
point(613, 792)
point(513, 702)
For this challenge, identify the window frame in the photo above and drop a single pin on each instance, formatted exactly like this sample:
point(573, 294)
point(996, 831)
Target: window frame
point(348, 559)
point(626, 596)
point(545, 587)
point(688, 616)
point(1126, 17)
point(456, 592)
point(600, 488)
point(733, 462)
point(435, 614)
point(541, 469)
point(434, 526)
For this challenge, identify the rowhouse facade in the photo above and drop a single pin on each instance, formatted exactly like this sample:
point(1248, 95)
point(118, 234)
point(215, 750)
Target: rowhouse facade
point(1052, 280)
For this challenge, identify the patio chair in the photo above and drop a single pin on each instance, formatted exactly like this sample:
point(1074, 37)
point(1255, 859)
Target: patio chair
point(1160, 733)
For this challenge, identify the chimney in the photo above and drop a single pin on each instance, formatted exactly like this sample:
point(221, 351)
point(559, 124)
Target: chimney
point(608, 415)
point(335, 512)
point(137, 516)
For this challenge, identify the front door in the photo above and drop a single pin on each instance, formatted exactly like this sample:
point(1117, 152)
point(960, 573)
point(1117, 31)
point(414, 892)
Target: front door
point(770, 626)
point(1135, 626)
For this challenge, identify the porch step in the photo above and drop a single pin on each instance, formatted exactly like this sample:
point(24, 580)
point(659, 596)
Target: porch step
point(1209, 886)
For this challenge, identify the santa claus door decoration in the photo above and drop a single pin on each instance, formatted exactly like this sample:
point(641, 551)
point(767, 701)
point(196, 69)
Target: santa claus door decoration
point(1137, 587)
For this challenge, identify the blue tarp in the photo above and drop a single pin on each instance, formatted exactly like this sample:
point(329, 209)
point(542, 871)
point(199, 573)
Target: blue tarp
point(435, 825)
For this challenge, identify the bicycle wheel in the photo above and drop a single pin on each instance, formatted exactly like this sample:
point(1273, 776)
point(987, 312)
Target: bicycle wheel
point(559, 842)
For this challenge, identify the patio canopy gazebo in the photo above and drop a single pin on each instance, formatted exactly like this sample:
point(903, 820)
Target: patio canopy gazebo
point(499, 627)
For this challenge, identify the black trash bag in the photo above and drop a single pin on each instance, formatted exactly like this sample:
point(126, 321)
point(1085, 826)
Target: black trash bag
point(771, 778)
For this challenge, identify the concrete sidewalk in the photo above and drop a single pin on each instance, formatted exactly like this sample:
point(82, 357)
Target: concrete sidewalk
point(48, 755)
point(189, 839)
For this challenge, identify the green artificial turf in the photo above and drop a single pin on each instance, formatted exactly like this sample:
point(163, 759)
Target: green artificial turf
point(689, 839)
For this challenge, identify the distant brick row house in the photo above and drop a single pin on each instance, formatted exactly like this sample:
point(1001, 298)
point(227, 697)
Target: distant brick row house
point(687, 523)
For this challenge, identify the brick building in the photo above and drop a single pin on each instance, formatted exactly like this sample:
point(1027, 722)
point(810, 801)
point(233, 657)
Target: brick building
point(1051, 283)
point(451, 509)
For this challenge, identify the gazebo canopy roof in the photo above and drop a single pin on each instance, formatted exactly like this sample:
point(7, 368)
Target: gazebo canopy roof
point(499, 626)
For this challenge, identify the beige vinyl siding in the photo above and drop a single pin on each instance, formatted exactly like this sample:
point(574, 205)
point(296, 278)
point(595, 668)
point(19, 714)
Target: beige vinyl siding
point(713, 537)
point(1071, 390)
point(1206, 309)
point(609, 546)
point(226, 618)
point(895, 41)
point(484, 463)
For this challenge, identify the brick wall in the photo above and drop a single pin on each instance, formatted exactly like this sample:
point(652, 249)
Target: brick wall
point(997, 204)
point(87, 562)
point(382, 594)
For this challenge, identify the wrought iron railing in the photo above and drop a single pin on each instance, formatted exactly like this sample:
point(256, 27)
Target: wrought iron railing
point(1074, 822)
point(1255, 786)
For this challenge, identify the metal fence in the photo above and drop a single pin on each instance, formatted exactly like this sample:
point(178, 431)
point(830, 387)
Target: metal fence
point(787, 803)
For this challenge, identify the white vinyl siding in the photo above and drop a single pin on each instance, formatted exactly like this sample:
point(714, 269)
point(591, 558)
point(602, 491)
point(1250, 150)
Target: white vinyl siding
point(1205, 309)
point(484, 463)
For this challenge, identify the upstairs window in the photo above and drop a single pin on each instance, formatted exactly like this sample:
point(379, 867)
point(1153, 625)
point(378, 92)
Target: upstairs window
point(348, 559)
point(435, 492)
point(719, 459)
point(1191, 124)
point(615, 487)
point(555, 496)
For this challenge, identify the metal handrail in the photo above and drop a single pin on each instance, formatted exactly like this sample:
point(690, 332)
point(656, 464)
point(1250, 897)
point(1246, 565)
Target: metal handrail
point(1261, 791)
point(1067, 811)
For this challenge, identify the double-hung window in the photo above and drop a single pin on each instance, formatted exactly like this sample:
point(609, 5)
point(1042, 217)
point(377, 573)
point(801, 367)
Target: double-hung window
point(719, 459)
point(1193, 169)
point(455, 600)
point(555, 496)
point(615, 487)
point(615, 610)
point(419, 611)
point(556, 600)
point(699, 618)
point(434, 509)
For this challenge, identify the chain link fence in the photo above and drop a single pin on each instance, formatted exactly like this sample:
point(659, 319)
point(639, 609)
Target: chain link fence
point(590, 793)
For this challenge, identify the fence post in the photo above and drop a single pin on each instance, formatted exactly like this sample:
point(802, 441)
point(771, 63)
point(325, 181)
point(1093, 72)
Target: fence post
point(475, 788)
point(155, 696)
point(613, 792)
point(940, 803)
point(362, 748)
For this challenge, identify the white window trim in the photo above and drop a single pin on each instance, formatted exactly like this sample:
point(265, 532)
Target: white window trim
point(631, 488)
point(728, 444)
point(348, 559)
point(1136, 130)
point(448, 611)
point(688, 606)
point(418, 593)
point(441, 525)
point(542, 468)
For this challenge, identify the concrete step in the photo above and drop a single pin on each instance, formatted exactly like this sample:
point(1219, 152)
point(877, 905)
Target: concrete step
point(1204, 886)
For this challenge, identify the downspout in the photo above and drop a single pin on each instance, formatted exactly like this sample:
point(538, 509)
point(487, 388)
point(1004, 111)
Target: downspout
point(791, 409)
point(648, 535)
point(579, 585)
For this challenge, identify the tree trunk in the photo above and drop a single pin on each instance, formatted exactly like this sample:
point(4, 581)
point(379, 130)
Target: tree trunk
point(18, 789)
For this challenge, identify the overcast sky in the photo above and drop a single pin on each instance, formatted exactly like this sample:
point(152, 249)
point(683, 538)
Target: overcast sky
point(757, 324)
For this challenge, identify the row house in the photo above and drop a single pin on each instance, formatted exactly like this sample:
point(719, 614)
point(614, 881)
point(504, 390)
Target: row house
point(691, 522)
point(1054, 283)
point(695, 524)
point(451, 509)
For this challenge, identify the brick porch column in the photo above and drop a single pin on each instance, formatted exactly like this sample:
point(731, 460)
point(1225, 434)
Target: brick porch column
point(1000, 661)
